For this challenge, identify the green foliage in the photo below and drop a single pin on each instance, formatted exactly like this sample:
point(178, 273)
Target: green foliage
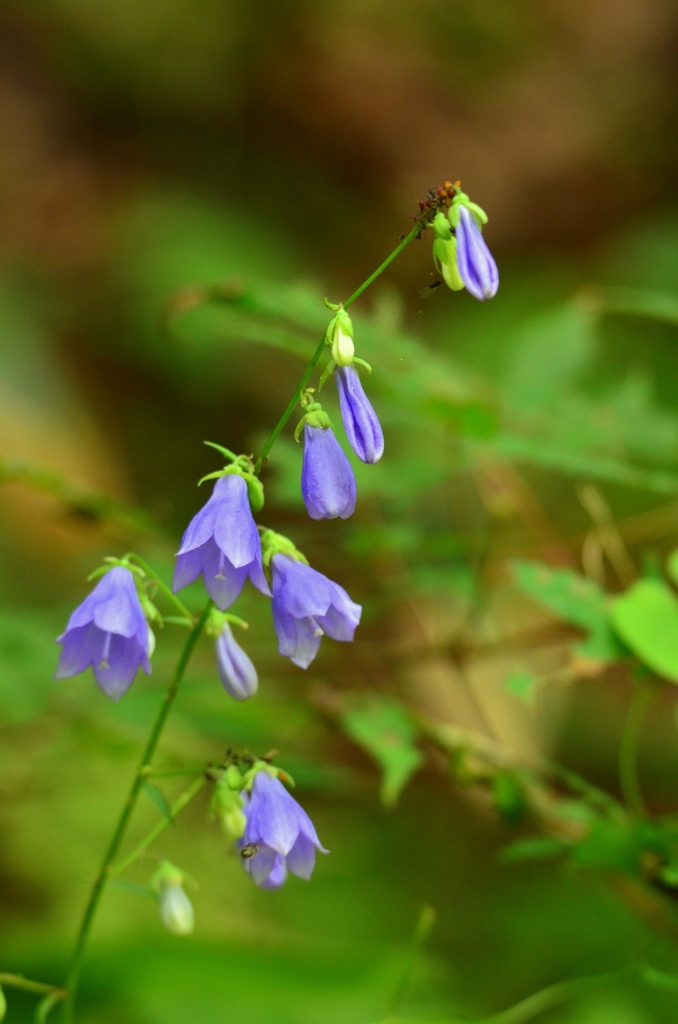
point(646, 618)
point(575, 600)
point(383, 728)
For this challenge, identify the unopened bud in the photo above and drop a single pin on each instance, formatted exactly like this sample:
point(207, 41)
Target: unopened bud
point(340, 338)
point(227, 806)
point(176, 910)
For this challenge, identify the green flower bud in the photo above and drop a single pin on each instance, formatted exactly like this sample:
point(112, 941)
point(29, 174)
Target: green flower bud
point(445, 259)
point(441, 226)
point(340, 338)
point(233, 778)
point(227, 807)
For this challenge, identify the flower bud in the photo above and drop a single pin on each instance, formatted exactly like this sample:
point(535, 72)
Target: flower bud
point(340, 338)
point(445, 259)
point(176, 910)
point(227, 806)
point(236, 671)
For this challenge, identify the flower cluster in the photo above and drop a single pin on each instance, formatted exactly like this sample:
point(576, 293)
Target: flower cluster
point(463, 258)
point(223, 545)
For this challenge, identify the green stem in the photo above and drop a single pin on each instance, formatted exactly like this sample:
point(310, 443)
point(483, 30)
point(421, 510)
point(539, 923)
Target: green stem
point(275, 433)
point(643, 696)
point(389, 259)
point(164, 588)
point(75, 966)
point(39, 988)
point(176, 808)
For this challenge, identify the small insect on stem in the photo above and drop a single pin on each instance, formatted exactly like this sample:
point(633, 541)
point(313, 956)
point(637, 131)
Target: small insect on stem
point(249, 851)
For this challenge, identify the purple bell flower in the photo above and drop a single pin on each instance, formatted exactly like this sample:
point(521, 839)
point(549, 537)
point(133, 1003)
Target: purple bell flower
point(236, 671)
point(476, 264)
point(362, 427)
point(279, 835)
point(223, 544)
point(109, 632)
point(327, 479)
point(305, 606)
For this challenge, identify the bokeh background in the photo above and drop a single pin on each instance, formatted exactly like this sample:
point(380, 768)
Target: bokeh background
point(265, 155)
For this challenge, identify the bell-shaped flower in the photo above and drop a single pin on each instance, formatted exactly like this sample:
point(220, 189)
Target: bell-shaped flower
point(340, 338)
point(222, 543)
point(109, 632)
point(306, 605)
point(279, 835)
point(362, 427)
point(327, 480)
point(477, 268)
point(236, 671)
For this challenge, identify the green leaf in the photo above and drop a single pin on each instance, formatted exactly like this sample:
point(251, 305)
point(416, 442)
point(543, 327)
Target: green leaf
point(610, 844)
point(536, 848)
point(522, 685)
point(672, 566)
point(383, 728)
point(646, 619)
point(157, 797)
point(576, 600)
point(508, 796)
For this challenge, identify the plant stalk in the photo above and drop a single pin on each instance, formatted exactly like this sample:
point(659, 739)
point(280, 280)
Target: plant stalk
point(75, 967)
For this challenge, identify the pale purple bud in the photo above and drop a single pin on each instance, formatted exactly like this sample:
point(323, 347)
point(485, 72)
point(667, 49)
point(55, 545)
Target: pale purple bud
point(236, 671)
point(477, 268)
point(362, 427)
point(327, 479)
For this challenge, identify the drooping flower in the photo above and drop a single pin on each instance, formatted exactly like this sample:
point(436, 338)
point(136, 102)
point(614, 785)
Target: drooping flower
point(223, 544)
point(279, 835)
point(236, 671)
point(307, 605)
point(327, 479)
point(362, 427)
point(109, 632)
point(476, 264)
point(340, 338)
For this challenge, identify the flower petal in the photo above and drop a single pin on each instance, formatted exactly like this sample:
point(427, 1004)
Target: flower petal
point(477, 267)
point(235, 531)
point(361, 423)
point(327, 480)
point(81, 647)
point(301, 858)
point(125, 656)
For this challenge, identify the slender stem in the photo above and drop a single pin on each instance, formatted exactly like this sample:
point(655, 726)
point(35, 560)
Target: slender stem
point(291, 405)
point(40, 988)
point(176, 808)
point(164, 588)
point(275, 433)
point(389, 259)
point(121, 827)
point(643, 696)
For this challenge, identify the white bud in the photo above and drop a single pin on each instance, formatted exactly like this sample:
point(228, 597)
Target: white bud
point(176, 910)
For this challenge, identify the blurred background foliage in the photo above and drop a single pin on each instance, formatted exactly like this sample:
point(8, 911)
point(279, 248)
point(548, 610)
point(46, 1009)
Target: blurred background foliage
point(180, 184)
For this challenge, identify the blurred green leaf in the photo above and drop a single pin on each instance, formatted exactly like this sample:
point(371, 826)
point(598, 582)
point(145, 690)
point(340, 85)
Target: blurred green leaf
point(383, 728)
point(522, 685)
point(537, 848)
point(574, 599)
point(610, 844)
point(158, 798)
point(646, 618)
point(507, 796)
